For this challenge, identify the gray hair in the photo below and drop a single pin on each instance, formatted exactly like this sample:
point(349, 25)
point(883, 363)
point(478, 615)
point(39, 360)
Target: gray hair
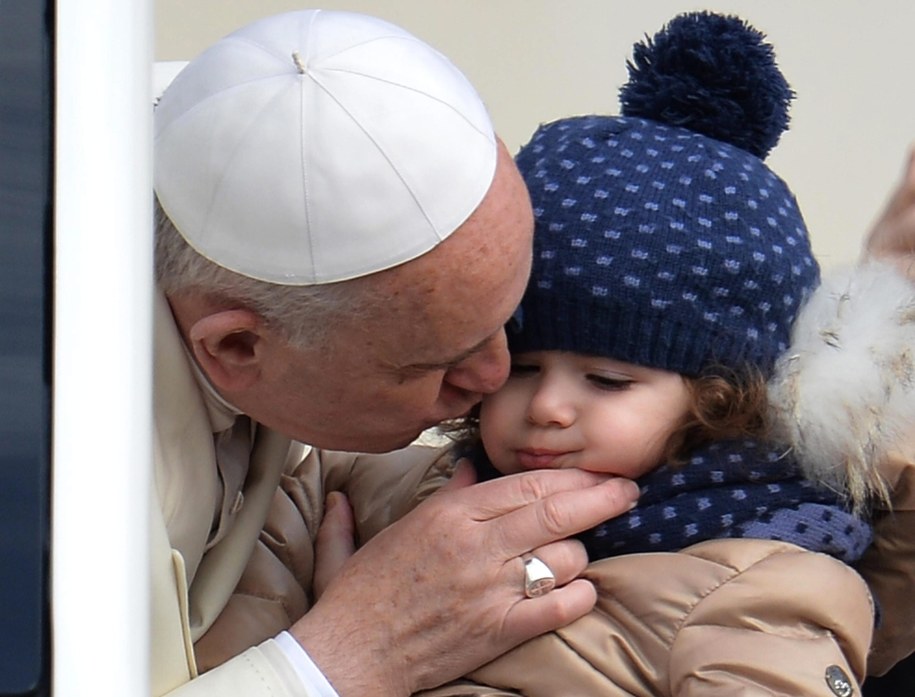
point(304, 314)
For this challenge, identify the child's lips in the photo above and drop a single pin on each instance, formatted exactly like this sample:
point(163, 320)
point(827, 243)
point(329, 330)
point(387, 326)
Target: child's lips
point(535, 459)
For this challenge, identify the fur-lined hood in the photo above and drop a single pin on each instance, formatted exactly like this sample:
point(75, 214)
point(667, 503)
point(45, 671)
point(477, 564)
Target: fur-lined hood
point(843, 394)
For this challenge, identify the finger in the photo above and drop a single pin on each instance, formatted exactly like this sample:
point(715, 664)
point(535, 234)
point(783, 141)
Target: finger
point(334, 543)
point(534, 616)
point(566, 559)
point(560, 515)
point(502, 495)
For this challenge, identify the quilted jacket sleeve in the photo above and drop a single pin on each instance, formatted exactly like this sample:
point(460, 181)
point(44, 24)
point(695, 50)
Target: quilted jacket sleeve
point(725, 617)
point(789, 623)
point(381, 488)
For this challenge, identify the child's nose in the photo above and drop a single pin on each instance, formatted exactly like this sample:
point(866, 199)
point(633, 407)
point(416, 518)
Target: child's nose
point(550, 407)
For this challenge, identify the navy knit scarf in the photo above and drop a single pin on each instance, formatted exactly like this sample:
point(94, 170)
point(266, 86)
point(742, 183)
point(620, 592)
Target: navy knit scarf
point(727, 489)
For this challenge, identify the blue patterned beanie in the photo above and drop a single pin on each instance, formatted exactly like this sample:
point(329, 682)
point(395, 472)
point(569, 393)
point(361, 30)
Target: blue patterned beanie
point(661, 237)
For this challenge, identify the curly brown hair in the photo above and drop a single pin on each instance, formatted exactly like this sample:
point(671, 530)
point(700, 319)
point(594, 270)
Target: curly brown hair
point(726, 403)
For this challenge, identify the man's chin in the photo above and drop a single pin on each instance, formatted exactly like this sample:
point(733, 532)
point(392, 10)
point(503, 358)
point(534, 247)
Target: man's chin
point(404, 442)
point(378, 443)
point(383, 444)
point(430, 436)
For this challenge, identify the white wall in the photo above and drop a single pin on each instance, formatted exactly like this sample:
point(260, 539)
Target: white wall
point(850, 61)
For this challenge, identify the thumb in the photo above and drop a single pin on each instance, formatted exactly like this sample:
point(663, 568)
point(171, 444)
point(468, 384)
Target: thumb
point(334, 543)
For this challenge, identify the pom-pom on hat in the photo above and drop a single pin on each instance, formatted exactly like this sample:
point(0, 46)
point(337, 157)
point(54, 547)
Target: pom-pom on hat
point(661, 237)
point(317, 146)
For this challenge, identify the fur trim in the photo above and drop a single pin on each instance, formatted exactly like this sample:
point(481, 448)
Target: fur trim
point(843, 394)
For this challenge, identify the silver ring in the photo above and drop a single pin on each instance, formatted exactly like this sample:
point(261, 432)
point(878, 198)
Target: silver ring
point(538, 578)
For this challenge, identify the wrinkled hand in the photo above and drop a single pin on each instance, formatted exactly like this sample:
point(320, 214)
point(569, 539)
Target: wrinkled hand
point(440, 592)
point(892, 238)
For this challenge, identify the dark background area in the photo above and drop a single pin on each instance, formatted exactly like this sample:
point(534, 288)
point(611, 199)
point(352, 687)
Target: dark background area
point(899, 682)
point(26, 127)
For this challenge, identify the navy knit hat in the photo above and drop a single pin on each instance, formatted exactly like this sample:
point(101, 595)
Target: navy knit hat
point(661, 237)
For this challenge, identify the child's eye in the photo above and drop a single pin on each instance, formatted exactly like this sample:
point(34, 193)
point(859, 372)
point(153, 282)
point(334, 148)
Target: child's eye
point(607, 383)
point(523, 369)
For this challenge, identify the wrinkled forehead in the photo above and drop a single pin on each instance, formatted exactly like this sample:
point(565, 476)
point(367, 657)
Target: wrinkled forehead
point(447, 309)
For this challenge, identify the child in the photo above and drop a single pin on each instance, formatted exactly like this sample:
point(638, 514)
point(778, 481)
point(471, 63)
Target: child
point(669, 266)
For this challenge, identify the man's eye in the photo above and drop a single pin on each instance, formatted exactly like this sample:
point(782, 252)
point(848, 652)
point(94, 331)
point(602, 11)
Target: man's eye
point(607, 383)
point(522, 369)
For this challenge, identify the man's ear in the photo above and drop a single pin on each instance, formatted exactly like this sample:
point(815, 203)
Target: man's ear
point(227, 345)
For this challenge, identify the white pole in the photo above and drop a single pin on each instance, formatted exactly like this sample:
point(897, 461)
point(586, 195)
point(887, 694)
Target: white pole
point(102, 390)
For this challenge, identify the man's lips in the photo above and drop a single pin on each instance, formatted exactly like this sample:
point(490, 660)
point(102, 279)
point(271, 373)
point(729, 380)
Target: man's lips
point(534, 459)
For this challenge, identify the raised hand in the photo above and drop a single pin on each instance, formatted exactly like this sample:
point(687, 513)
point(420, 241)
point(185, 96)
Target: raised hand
point(441, 591)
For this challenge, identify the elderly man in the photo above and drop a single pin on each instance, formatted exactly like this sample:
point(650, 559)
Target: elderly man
point(340, 239)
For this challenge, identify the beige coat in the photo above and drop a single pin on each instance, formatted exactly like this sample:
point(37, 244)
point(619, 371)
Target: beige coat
point(722, 617)
point(188, 588)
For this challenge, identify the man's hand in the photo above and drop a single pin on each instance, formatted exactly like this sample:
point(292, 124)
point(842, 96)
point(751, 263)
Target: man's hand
point(892, 238)
point(441, 591)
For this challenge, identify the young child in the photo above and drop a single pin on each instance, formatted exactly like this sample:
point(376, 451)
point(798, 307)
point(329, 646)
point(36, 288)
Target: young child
point(669, 266)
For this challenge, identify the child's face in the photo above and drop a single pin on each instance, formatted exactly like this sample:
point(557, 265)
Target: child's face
point(561, 410)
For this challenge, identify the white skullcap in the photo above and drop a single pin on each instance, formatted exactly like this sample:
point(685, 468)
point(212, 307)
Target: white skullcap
point(316, 146)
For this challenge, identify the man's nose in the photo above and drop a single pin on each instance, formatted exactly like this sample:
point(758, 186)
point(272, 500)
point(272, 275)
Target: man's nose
point(483, 372)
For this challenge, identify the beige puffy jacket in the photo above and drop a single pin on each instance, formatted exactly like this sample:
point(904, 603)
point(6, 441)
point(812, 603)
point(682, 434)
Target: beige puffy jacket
point(722, 617)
